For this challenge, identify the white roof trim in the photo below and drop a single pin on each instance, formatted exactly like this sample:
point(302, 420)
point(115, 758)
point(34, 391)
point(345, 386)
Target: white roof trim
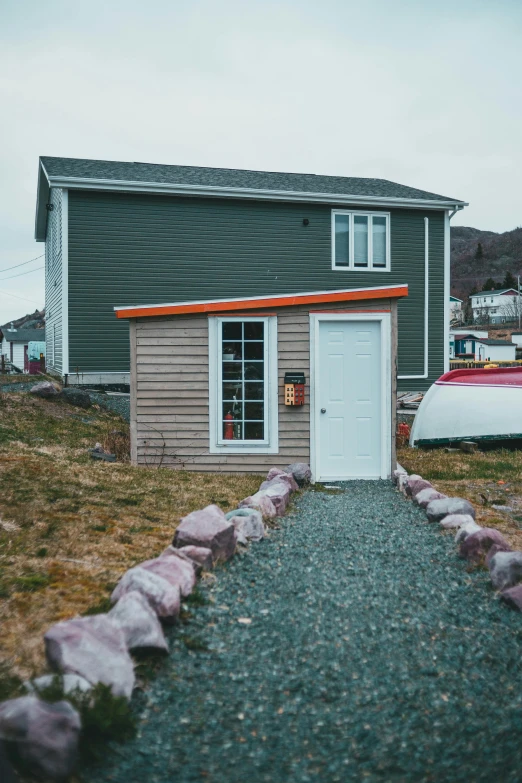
point(253, 193)
point(258, 298)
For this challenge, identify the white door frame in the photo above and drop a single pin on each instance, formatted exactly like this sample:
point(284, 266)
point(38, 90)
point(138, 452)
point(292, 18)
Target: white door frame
point(386, 411)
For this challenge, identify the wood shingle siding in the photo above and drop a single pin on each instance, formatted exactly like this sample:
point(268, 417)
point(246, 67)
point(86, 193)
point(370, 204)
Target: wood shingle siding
point(170, 391)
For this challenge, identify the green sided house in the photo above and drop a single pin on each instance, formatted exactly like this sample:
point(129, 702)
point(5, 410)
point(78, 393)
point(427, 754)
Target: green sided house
point(272, 316)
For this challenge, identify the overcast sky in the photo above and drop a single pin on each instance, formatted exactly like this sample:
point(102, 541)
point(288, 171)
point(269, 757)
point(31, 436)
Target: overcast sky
point(420, 92)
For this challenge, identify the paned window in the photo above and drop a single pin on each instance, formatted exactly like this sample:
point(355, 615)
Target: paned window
point(244, 407)
point(360, 240)
point(243, 380)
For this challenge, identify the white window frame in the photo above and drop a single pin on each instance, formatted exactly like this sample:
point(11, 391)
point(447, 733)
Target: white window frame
point(370, 216)
point(217, 445)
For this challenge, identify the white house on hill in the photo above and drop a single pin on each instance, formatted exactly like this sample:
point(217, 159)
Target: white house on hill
point(455, 308)
point(496, 307)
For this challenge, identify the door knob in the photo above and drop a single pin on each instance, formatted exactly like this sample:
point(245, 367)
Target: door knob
point(323, 410)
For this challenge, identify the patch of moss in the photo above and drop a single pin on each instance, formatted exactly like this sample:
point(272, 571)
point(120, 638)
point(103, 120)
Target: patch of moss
point(105, 717)
point(10, 684)
point(29, 583)
point(129, 501)
point(102, 607)
point(196, 598)
point(195, 644)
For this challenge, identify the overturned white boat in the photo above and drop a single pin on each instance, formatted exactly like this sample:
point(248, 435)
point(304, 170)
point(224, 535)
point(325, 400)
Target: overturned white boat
point(476, 404)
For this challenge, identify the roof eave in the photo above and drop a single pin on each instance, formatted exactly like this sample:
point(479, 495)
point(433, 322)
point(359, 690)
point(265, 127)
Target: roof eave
point(252, 193)
point(253, 303)
point(42, 197)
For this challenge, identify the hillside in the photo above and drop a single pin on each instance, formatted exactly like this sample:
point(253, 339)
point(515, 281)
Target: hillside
point(478, 255)
point(34, 320)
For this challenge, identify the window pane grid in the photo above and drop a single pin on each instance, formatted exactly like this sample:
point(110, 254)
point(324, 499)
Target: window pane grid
point(243, 381)
point(360, 241)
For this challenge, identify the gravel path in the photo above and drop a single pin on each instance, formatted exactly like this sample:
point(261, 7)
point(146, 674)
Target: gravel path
point(372, 654)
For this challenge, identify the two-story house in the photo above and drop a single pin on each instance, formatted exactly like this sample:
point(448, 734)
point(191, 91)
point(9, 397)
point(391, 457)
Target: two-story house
point(496, 307)
point(230, 279)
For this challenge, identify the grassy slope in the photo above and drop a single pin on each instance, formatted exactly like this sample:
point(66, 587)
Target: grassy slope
point(70, 526)
point(485, 479)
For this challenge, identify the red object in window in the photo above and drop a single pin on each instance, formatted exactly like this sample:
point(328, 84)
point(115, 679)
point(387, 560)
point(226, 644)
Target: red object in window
point(229, 427)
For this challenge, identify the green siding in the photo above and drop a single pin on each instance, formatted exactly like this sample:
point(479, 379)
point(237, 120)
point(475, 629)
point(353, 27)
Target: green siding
point(145, 249)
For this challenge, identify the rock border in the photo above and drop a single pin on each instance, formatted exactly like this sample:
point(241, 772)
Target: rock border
point(479, 545)
point(93, 649)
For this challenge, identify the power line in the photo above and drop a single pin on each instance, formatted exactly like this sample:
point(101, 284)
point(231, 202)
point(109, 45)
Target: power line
point(21, 273)
point(22, 264)
point(24, 298)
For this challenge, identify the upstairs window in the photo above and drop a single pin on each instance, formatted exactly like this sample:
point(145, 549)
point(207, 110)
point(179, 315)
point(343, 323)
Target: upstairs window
point(360, 240)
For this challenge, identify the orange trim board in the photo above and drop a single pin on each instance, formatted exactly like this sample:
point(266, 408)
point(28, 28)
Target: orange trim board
point(256, 304)
point(350, 310)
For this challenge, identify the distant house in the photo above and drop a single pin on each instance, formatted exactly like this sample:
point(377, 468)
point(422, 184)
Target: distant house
point(17, 345)
point(517, 338)
point(469, 346)
point(455, 308)
point(496, 307)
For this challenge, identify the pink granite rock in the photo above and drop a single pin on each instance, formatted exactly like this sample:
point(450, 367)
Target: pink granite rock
point(476, 546)
point(93, 647)
point(199, 556)
point(513, 597)
point(456, 520)
point(398, 474)
point(45, 735)
point(248, 523)
point(417, 485)
point(465, 530)
point(436, 510)
point(138, 622)
point(412, 482)
point(505, 569)
point(262, 503)
point(301, 472)
point(45, 389)
point(281, 476)
point(162, 597)
point(402, 484)
point(207, 528)
point(176, 570)
point(277, 492)
point(273, 472)
point(425, 496)
point(7, 773)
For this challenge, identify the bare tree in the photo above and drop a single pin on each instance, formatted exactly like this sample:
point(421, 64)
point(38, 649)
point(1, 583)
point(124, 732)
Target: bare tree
point(512, 309)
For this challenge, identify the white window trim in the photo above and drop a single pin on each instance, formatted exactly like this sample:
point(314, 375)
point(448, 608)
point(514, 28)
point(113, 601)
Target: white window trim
point(271, 444)
point(370, 267)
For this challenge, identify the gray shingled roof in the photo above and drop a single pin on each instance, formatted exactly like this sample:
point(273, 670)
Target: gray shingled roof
point(493, 342)
point(23, 335)
point(232, 178)
point(497, 291)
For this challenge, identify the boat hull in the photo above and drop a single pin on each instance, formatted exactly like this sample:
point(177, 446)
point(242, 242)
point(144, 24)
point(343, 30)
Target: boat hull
point(452, 412)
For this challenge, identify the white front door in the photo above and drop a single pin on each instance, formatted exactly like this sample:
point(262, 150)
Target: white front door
point(349, 400)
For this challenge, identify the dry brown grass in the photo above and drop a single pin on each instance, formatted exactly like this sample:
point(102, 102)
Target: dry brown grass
point(485, 479)
point(70, 526)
